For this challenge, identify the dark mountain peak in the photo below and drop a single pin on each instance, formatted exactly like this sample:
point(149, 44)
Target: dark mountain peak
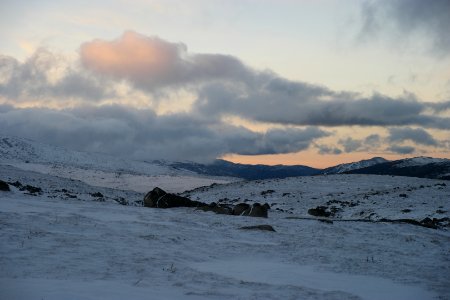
point(424, 167)
point(342, 168)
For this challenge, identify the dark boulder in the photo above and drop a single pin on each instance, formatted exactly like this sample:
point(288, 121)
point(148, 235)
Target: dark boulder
point(319, 211)
point(32, 190)
point(160, 199)
point(152, 197)
point(220, 209)
point(4, 186)
point(240, 208)
point(259, 227)
point(430, 223)
point(256, 210)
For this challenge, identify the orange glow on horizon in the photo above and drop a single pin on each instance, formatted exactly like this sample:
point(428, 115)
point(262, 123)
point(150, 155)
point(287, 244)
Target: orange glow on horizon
point(315, 160)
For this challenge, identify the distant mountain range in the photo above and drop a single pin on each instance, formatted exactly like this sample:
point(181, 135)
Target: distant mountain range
point(23, 150)
point(342, 168)
point(424, 167)
point(250, 172)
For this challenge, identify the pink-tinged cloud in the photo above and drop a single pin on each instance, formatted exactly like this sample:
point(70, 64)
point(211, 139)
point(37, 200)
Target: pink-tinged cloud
point(150, 62)
point(132, 56)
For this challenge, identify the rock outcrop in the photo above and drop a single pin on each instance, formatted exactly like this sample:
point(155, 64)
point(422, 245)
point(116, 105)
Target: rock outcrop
point(258, 227)
point(4, 186)
point(160, 199)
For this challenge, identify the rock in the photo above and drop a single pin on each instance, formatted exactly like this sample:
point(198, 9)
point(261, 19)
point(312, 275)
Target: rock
point(97, 194)
point(256, 210)
point(319, 211)
point(217, 208)
point(121, 201)
point(151, 199)
point(258, 227)
point(17, 184)
point(263, 193)
point(160, 199)
point(430, 223)
point(4, 186)
point(325, 221)
point(31, 189)
point(240, 208)
point(403, 196)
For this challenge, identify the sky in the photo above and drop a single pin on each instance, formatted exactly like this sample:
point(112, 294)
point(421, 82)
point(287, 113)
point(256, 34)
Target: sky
point(306, 82)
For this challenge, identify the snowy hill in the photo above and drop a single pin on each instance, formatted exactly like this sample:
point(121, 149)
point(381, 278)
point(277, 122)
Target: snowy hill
point(99, 169)
point(248, 172)
point(111, 171)
point(354, 165)
point(13, 149)
point(424, 167)
point(71, 240)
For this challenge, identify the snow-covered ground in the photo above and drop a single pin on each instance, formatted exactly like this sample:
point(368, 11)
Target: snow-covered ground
point(55, 246)
point(171, 181)
point(370, 197)
point(99, 169)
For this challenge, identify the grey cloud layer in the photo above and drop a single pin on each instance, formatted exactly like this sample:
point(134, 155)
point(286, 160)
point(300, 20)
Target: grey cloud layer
point(31, 79)
point(418, 135)
point(432, 18)
point(277, 100)
point(223, 86)
point(401, 149)
point(144, 135)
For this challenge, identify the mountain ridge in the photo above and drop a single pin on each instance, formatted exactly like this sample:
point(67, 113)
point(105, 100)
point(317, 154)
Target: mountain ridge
point(26, 151)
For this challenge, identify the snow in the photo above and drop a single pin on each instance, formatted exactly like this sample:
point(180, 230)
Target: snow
point(355, 197)
point(173, 183)
point(67, 242)
point(73, 248)
point(78, 290)
point(366, 287)
point(418, 161)
point(99, 169)
point(356, 165)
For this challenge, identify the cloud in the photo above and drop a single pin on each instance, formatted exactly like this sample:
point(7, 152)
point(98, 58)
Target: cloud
point(439, 106)
point(324, 149)
point(45, 75)
point(418, 135)
point(430, 18)
point(141, 134)
point(221, 86)
point(350, 144)
point(224, 85)
point(372, 141)
point(151, 63)
point(401, 149)
point(276, 100)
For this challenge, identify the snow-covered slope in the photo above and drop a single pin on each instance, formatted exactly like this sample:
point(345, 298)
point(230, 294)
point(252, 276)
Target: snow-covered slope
point(419, 161)
point(99, 169)
point(348, 197)
point(425, 167)
point(55, 246)
point(14, 149)
point(354, 165)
